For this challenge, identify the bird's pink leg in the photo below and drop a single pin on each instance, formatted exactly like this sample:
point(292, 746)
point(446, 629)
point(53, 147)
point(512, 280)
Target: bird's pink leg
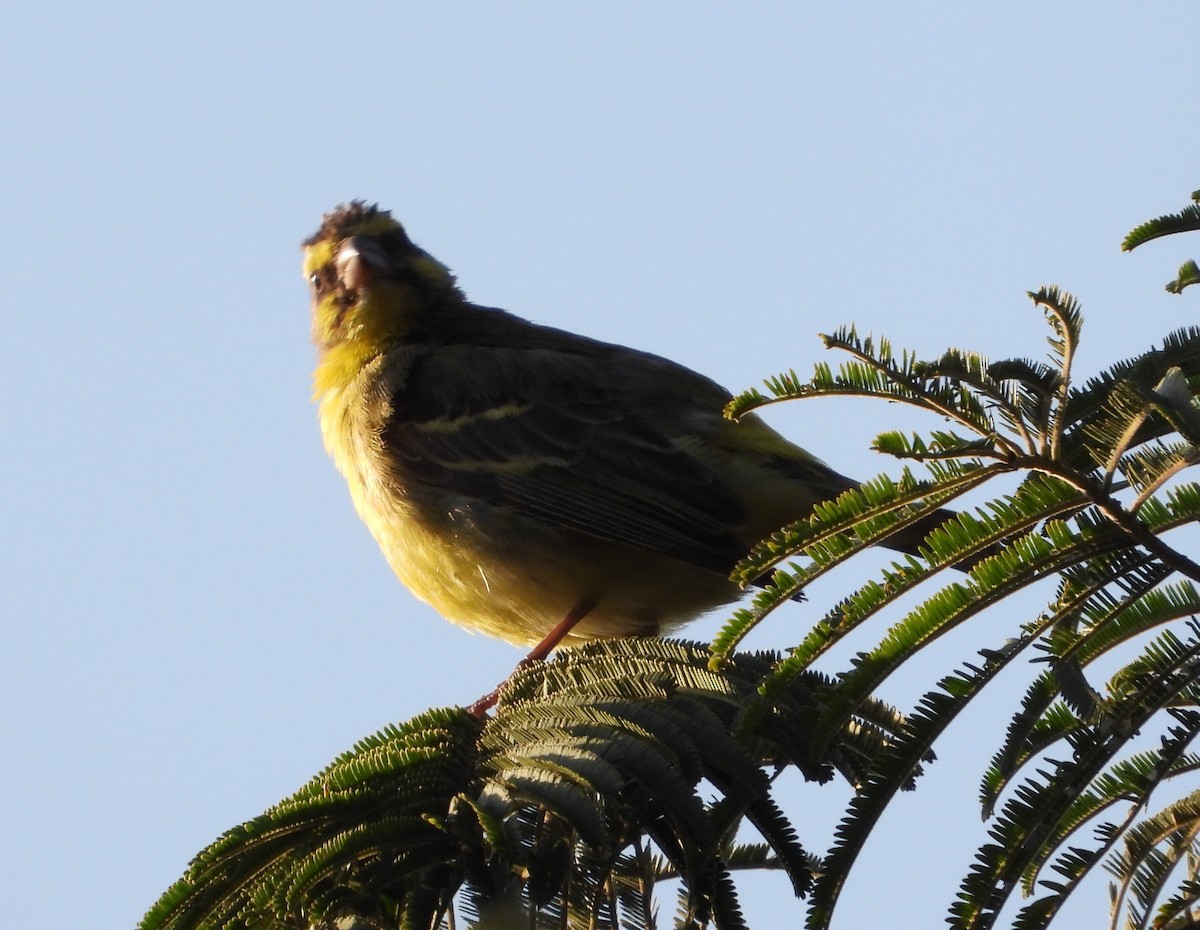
point(538, 653)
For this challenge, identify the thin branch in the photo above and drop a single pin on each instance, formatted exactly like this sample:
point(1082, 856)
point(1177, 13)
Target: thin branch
point(1111, 508)
point(1187, 461)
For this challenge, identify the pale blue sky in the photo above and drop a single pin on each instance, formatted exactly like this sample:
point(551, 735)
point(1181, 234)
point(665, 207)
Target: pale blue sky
point(196, 620)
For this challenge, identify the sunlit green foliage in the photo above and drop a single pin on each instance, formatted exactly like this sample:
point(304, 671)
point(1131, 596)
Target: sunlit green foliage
point(601, 775)
point(1186, 220)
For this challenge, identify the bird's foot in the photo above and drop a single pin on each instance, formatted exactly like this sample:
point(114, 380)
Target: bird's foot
point(488, 701)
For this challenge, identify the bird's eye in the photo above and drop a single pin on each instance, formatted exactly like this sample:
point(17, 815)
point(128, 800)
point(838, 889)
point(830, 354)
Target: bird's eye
point(314, 281)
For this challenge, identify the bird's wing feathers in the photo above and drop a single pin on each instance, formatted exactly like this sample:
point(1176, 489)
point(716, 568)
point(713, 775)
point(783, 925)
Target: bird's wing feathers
point(536, 430)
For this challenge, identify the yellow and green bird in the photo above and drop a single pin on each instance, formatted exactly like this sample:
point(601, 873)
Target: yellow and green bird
point(529, 482)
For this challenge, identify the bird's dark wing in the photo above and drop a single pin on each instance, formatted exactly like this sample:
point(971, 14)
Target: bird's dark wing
point(537, 430)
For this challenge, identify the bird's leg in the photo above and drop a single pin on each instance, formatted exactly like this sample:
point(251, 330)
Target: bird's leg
point(538, 653)
point(555, 636)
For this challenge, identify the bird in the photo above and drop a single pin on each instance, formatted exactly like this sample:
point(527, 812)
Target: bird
point(528, 482)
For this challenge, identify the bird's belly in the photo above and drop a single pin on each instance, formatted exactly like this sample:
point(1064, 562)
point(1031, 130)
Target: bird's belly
point(489, 570)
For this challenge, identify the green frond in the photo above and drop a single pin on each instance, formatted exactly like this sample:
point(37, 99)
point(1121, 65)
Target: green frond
point(1174, 401)
point(781, 387)
point(750, 856)
point(1026, 560)
point(1023, 562)
point(1135, 617)
point(1066, 321)
point(894, 772)
point(875, 373)
point(1027, 374)
point(578, 760)
point(1090, 617)
point(848, 340)
point(1120, 422)
point(1179, 912)
point(540, 786)
point(1159, 663)
point(1072, 866)
point(719, 906)
point(958, 365)
point(1086, 620)
point(726, 911)
point(1180, 506)
point(1024, 396)
point(586, 787)
point(404, 783)
point(1140, 841)
point(1040, 722)
point(1186, 220)
point(744, 619)
point(1152, 851)
point(866, 737)
point(1151, 465)
point(784, 386)
point(1039, 809)
point(944, 444)
point(857, 379)
point(634, 877)
point(1180, 349)
point(774, 827)
point(858, 518)
point(1066, 318)
point(1128, 785)
point(1188, 274)
point(1098, 417)
point(313, 884)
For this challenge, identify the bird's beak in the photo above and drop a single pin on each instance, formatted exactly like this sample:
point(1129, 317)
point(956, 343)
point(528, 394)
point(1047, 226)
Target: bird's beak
point(359, 262)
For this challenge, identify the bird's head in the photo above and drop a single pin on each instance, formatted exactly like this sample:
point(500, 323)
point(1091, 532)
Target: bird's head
point(369, 282)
